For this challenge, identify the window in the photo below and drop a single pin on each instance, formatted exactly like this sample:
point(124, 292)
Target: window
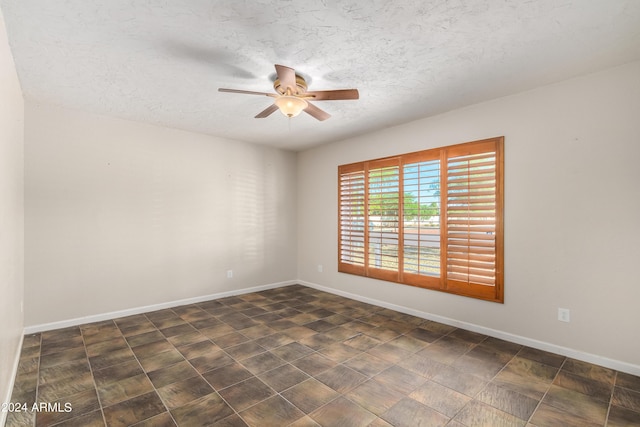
point(431, 219)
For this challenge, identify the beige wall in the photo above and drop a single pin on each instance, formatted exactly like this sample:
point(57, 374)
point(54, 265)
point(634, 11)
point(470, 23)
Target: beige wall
point(11, 217)
point(572, 210)
point(121, 215)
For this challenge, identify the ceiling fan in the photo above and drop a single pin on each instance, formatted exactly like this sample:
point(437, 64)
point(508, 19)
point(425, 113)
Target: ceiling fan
point(292, 96)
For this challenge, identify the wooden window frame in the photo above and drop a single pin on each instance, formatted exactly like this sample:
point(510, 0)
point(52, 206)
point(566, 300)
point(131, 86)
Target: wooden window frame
point(466, 208)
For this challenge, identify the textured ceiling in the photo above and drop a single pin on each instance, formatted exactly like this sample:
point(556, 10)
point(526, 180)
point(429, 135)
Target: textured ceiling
point(162, 61)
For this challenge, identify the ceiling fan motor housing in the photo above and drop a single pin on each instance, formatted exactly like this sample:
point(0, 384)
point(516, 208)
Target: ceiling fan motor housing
point(300, 89)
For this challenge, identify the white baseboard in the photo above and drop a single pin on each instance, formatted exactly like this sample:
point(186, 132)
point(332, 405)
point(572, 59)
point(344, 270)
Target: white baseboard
point(145, 309)
point(12, 381)
point(541, 345)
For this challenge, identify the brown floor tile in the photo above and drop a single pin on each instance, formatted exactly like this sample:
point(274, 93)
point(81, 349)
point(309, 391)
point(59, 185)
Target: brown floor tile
point(339, 352)
point(381, 368)
point(576, 403)
point(53, 359)
point(172, 374)
point(589, 370)
point(119, 391)
point(626, 398)
point(153, 348)
point(508, 401)
point(619, 417)
point(305, 421)
point(367, 364)
point(443, 399)
point(309, 395)
point(549, 416)
point(168, 322)
point(409, 413)
point(283, 377)
point(257, 331)
point(211, 361)
point(216, 331)
point(137, 329)
point(183, 392)
point(341, 378)
point(229, 340)
point(262, 362)
point(275, 340)
point(446, 350)
point(130, 320)
point(187, 339)
point(424, 335)
point(599, 390)
point(200, 348)
point(247, 393)
point(400, 379)
point(162, 420)
point(477, 413)
point(112, 358)
point(480, 363)
point(202, 412)
point(362, 342)
point(80, 404)
point(100, 348)
point(117, 372)
point(375, 397)
point(317, 341)
point(274, 411)
point(181, 329)
point(233, 420)
point(506, 348)
point(92, 419)
point(63, 371)
point(31, 340)
point(423, 366)
point(134, 410)
point(161, 360)
point(20, 419)
point(628, 381)
point(342, 413)
point(227, 375)
point(244, 350)
point(291, 351)
point(526, 376)
point(65, 387)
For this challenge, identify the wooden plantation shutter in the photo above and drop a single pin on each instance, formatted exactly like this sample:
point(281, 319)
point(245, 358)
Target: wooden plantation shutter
point(432, 219)
point(351, 221)
point(421, 222)
point(383, 220)
point(473, 228)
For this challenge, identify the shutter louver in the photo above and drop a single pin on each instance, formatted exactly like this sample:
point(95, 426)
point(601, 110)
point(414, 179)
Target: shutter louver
point(352, 218)
point(383, 218)
point(471, 218)
point(421, 210)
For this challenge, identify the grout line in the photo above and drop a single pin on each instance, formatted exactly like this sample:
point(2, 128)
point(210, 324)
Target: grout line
point(93, 378)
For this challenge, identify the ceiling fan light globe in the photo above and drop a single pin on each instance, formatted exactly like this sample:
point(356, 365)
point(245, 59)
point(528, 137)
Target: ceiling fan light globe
point(291, 106)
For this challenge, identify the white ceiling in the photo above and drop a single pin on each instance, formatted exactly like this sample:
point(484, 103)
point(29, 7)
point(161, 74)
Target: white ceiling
point(162, 61)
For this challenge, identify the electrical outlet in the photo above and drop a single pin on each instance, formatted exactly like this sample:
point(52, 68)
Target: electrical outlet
point(564, 315)
point(320, 268)
point(229, 274)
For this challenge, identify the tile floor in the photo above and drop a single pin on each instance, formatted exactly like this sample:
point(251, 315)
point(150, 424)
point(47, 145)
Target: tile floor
point(296, 356)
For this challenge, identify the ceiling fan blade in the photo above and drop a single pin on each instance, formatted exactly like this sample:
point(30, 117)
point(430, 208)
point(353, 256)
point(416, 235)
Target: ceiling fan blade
point(267, 111)
point(247, 92)
point(333, 95)
point(314, 111)
point(287, 77)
